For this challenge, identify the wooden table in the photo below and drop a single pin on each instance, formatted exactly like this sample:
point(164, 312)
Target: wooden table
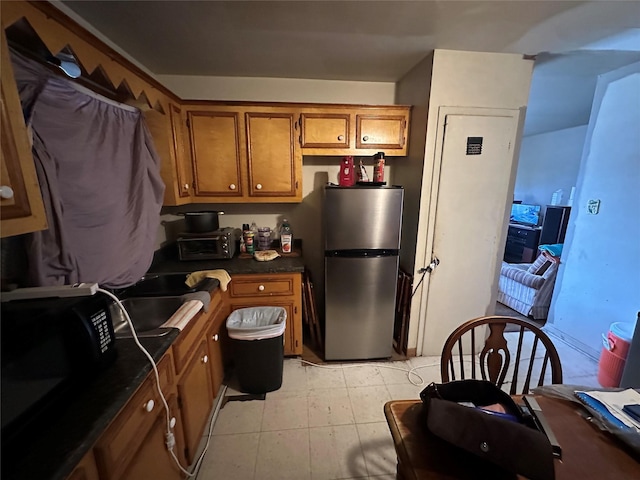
point(587, 453)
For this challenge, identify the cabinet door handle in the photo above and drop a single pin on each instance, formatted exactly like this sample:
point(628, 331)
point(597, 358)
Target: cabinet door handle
point(149, 405)
point(365, 138)
point(172, 422)
point(340, 137)
point(215, 337)
point(232, 186)
point(259, 186)
point(205, 359)
point(6, 191)
point(261, 288)
point(186, 186)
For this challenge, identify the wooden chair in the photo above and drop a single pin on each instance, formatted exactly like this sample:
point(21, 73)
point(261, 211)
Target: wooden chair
point(493, 363)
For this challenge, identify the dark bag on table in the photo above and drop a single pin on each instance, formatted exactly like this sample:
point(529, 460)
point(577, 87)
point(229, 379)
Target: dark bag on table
point(504, 439)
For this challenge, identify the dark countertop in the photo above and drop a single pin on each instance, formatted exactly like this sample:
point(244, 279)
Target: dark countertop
point(166, 261)
point(77, 425)
point(81, 419)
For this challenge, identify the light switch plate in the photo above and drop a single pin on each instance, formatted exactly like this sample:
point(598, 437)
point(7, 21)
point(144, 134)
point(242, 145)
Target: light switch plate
point(593, 207)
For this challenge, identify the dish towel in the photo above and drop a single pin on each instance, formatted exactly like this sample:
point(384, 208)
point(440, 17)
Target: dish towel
point(221, 275)
point(184, 314)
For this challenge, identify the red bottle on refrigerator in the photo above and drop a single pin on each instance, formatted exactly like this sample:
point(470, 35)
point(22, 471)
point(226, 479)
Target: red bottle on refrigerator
point(347, 173)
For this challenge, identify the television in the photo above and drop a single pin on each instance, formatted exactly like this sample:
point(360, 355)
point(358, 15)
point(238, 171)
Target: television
point(525, 214)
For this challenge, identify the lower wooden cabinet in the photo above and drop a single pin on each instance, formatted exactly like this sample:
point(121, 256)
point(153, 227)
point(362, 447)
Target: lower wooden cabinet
point(199, 370)
point(214, 342)
point(124, 438)
point(152, 459)
point(273, 290)
point(195, 393)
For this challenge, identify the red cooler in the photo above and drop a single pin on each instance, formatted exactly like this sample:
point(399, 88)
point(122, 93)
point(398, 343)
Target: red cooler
point(614, 354)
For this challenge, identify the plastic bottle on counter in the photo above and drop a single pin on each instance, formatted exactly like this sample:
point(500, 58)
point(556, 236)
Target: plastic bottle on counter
point(286, 237)
point(362, 173)
point(378, 167)
point(347, 174)
point(249, 237)
point(243, 245)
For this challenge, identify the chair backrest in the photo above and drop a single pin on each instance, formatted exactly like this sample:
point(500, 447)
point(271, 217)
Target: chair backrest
point(531, 350)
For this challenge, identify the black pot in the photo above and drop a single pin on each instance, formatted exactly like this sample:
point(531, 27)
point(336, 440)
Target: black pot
point(201, 222)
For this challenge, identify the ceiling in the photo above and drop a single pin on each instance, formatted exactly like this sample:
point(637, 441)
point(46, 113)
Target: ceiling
point(376, 41)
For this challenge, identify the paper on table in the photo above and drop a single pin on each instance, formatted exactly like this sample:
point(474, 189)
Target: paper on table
point(614, 401)
point(186, 312)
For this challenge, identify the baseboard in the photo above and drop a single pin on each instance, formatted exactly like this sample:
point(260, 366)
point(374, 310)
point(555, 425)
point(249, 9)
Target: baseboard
point(572, 342)
point(411, 352)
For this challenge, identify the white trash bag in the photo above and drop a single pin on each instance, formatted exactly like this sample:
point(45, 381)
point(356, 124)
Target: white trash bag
point(257, 323)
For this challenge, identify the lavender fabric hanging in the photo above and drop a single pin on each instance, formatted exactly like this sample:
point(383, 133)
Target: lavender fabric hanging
point(100, 179)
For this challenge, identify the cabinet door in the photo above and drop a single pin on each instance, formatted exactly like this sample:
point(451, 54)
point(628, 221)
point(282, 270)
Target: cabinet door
point(380, 131)
point(183, 167)
point(216, 153)
point(153, 460)
point(196, 398)
point(21, 204)
point(273, 155)
point(214, 341)
point(325, 130)
point(123, 438)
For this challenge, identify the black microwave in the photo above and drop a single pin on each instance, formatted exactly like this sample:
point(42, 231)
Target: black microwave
point(50, 347)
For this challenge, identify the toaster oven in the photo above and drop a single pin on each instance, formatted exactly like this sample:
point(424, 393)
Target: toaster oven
point(216, 245)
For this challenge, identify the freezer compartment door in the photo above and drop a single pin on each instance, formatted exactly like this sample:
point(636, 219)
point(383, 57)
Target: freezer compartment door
point(362, 218)
point(360, 296)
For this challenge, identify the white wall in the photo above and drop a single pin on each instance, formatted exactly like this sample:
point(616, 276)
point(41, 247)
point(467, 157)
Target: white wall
point(413, 89)
point(459, 79)
point(279, 89)
point(599, 278)
point(548, 162)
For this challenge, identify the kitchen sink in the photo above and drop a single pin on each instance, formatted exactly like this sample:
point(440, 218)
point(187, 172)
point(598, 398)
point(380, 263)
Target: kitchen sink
point(162, 285)
point(147, 315)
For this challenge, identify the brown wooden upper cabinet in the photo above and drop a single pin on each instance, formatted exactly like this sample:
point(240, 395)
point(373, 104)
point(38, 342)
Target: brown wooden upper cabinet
point(183, 166)
point(354, 130)
point(244, 154)
point(21, 206)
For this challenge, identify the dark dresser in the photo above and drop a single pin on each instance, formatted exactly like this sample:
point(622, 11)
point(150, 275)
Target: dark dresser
point(522, 244)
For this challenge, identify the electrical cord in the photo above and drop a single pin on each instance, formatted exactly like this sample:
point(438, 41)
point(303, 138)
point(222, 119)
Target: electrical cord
point(170, 440)
point(409, 372)
point(424, 272)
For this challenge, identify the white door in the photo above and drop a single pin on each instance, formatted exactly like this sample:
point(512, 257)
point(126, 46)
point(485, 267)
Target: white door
point(467, 220)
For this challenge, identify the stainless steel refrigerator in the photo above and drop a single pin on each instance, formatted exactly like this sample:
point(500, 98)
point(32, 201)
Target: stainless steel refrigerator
point(362, 239)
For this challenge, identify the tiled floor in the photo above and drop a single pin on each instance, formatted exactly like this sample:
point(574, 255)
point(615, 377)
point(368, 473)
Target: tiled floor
point(328, 423)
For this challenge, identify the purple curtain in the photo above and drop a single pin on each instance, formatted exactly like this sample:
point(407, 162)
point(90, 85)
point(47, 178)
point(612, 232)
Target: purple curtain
point(100, 179)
